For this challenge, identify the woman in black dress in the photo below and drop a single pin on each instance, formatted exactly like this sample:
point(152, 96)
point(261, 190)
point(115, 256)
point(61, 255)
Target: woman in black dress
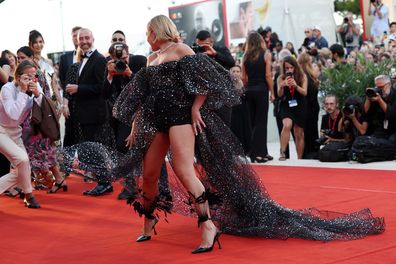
point(292, 88)
point(172, 104)
point(311, 132)
point(257, 78)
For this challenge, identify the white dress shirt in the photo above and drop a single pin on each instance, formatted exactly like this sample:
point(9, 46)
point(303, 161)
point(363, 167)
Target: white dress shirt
point(16, 105)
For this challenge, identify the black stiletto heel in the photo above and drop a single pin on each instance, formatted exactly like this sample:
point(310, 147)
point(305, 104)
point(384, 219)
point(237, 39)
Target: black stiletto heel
point(143, 237)
point(31, 203)
point(203, 217)
point(208, 249)
point(58, 187)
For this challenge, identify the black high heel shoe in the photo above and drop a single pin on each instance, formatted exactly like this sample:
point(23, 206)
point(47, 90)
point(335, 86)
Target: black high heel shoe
point(208, 249)
point(58, 187)
point(143, 237)
point(31, 203)
point(258, 160)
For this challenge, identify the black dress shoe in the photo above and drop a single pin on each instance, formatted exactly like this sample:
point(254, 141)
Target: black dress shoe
point(31, 203)
point(126, 194)
point(99, 189)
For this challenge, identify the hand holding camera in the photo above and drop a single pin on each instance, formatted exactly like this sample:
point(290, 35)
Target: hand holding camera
point(374, 94)
point(290, 80)
point(28, 85)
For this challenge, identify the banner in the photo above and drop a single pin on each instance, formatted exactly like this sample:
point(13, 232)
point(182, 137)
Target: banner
point(205, 15)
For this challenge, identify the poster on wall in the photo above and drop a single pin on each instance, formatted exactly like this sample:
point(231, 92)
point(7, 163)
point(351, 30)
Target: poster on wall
point(245, 16)
point(205, 15)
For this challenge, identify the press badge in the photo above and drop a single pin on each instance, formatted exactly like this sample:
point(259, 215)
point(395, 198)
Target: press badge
point(386, 123)
point(293, 103)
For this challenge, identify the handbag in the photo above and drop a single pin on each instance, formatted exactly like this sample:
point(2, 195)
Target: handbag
point(45, 119)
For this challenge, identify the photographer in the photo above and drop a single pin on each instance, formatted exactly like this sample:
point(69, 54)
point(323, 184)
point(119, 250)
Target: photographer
point(329, 127)
point(350, 33)
point(16, 102)
point(380, 22)
point(353, 123)
point(205, 44)
point(380, 106)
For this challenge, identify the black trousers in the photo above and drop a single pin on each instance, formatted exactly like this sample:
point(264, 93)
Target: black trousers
point(258, 104)
point(4, 165)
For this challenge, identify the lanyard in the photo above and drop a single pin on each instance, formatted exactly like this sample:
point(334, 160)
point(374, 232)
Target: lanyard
point(332, 127)
point(292, 89)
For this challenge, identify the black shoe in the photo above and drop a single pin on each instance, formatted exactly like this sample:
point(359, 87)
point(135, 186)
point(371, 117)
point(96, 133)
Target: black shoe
point(143, 237)
point(31, 203)
point(99, 189)
point(57, 186)
point(203, 250)
point(258, 160)
point(126, 194)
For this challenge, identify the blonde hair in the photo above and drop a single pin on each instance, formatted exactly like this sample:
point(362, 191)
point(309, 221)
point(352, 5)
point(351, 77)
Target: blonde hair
point(164, 28)
point(305, 61)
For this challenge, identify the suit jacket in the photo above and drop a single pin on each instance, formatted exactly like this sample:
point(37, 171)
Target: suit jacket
point(91, 106)
point(66, 60)
point(224, 57)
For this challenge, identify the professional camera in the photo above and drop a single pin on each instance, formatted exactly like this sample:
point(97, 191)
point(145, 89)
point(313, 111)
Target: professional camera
point(346, 20)
point(372, 92)
point(322, 140)
point(120, 65)
point(197, 48)
point(373, 1)
point(348, 109)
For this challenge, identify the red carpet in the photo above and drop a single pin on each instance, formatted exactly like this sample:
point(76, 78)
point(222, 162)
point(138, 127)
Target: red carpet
point(72, 228)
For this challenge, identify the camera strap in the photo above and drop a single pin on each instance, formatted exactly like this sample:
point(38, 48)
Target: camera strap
point(332, 126)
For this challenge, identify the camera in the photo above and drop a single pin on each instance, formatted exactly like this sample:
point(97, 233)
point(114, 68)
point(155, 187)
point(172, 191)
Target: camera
point(346, 20)
point(197, 48)
point(289, 74)
point(120, 65)
point(372, 1)
point(322, 140)
point(372, 92)
point(348, 109)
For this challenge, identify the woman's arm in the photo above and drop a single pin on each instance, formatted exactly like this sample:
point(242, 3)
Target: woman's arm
point(281, 84)
point(303, 89)
point(268, 74)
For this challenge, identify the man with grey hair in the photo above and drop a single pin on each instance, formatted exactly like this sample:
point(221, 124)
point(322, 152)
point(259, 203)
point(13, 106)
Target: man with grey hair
point(380, 106)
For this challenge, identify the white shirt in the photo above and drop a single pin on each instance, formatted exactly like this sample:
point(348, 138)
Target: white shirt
point(380, 25)
point(15, 105)
point(84, 61)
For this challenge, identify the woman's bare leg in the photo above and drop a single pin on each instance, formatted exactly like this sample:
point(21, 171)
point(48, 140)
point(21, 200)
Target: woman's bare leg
point(285, 134)
point(182, 141)
point(152, 163)
point(299, 135)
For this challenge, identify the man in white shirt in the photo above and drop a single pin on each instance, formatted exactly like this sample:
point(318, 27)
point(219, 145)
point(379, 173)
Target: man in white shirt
point(380, 23)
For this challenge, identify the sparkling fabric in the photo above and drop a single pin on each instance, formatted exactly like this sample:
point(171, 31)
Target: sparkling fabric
point(246, 208)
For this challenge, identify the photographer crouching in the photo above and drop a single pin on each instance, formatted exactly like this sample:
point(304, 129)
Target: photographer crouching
point(380, 107)
point(204, 43)
point(353, 123)
point(16, 102)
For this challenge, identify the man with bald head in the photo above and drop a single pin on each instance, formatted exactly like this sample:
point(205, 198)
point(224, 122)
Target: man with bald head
point(91, 108)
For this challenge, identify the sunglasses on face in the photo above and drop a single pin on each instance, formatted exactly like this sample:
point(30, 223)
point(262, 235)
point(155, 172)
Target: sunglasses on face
point(118, 39)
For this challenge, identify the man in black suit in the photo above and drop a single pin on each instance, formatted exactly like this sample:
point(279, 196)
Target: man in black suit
point(66, 60)
point(204, 43)
point(92, 110)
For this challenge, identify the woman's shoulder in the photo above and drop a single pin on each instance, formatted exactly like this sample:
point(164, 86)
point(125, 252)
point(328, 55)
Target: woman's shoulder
point(183, 50)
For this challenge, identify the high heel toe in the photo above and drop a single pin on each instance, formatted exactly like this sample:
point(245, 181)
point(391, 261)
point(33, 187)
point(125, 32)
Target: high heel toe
point(143, 237)
point(208, 249)
point(31, 203)
point(58, 187)
point(258, 160)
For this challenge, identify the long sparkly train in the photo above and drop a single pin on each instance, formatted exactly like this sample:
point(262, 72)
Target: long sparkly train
point(246, 208)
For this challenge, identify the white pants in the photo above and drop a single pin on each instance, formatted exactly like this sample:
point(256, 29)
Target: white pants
point(11, 146)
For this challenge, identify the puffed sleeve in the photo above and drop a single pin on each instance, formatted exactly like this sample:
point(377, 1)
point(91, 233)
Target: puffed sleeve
point(203, 76)
point(131, 98)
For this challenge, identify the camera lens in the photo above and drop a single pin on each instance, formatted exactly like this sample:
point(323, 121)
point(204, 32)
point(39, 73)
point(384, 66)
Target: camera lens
point(120, 66)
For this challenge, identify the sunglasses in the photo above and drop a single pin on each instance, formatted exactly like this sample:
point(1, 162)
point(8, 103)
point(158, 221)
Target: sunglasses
point(118, 39)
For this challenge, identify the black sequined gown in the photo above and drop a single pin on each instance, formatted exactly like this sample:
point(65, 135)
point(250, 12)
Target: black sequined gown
point(161, 96)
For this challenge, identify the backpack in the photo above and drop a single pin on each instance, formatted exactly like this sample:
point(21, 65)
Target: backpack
point(369, 149)
point(45, 119)
point(335, 152)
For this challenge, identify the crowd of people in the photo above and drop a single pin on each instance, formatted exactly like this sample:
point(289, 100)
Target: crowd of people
point(184, 100)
